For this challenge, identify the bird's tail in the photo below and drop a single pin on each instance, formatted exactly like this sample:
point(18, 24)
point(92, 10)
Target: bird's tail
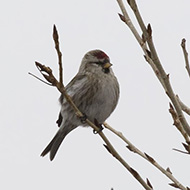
point(55, 143)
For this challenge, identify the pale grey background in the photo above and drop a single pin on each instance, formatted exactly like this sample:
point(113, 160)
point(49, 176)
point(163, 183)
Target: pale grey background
point(29, 108)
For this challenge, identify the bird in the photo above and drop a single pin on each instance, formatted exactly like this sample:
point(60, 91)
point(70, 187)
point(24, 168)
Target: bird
point(94, 90)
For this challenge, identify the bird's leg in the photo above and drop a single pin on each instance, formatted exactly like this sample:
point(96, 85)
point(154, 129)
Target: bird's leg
point(100, 128)
point(83, 118)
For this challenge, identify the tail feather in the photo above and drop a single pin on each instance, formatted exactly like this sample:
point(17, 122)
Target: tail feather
point(55, 146)
point(48, 147)
point(55, 143)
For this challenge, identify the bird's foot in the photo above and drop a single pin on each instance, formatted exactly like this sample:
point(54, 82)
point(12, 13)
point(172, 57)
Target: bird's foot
point(83, 118)
point(100, 128)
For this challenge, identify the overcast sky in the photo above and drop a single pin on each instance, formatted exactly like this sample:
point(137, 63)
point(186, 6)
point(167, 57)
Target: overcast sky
point(30, 108)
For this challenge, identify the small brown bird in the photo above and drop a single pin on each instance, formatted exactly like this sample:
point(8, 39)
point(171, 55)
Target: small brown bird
point(94, 90)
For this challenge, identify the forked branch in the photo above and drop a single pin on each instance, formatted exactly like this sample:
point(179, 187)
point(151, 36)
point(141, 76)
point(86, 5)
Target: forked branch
point(178, 124)
point(183, 45)
point(152, 58)
point(151, 160)
point(184, 107)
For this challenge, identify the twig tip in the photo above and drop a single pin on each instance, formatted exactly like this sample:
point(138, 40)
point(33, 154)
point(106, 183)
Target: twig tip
point(54, 27)
point(168, 170)
point(149, 30)
point(174, 185)
point(55, 33)
point(121, 17)
point(148, 183)
point(183, 41)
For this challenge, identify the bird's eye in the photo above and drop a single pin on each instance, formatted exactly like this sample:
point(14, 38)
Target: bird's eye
point(99, 63)
point(103, 62)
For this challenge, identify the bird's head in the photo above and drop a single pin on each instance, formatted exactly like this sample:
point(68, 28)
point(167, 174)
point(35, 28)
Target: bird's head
point(95, 61)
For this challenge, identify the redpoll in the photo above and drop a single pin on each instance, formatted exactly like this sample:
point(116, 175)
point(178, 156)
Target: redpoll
point(94, 90)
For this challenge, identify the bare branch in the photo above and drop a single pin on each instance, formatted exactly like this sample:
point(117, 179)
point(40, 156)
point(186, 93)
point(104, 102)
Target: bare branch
point(178, 124)
point(142, 41)
point(154, 60)
point(183, 45)
point(47, 73)
point(181, 151)
point(165, 77)
point(131, 147)
point(148, 182)
point(59, 54)
point(183, 106)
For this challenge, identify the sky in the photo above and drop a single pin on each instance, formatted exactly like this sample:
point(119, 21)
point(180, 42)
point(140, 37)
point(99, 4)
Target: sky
point(29, 108)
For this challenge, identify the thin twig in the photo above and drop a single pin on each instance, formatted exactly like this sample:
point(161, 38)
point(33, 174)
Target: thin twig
point(132, 148)
point(48, 75)
point(59, 54)
point(185, 53)
point(165, 77)
point(40, 79)
point(181, 151)
point(142, 42)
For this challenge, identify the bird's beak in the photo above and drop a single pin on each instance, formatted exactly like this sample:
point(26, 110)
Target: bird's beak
point(107, 65)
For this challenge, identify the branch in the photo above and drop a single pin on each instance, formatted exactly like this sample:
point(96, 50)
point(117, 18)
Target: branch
point(48, 75)
point(185, 56)
point(39, 79)
point(132, 148)
point(183, 106)
point(164, 76)
point(152, 57)
point(142, 42)
point(59, 54)
point(178, 125)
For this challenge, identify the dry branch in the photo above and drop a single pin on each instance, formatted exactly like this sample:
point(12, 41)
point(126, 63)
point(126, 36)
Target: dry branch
point(151, 160)
point(59, 54)
point(178, 125)
point(142, 42)
point(152, 57)
point(185, 108)
point(183, 45)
